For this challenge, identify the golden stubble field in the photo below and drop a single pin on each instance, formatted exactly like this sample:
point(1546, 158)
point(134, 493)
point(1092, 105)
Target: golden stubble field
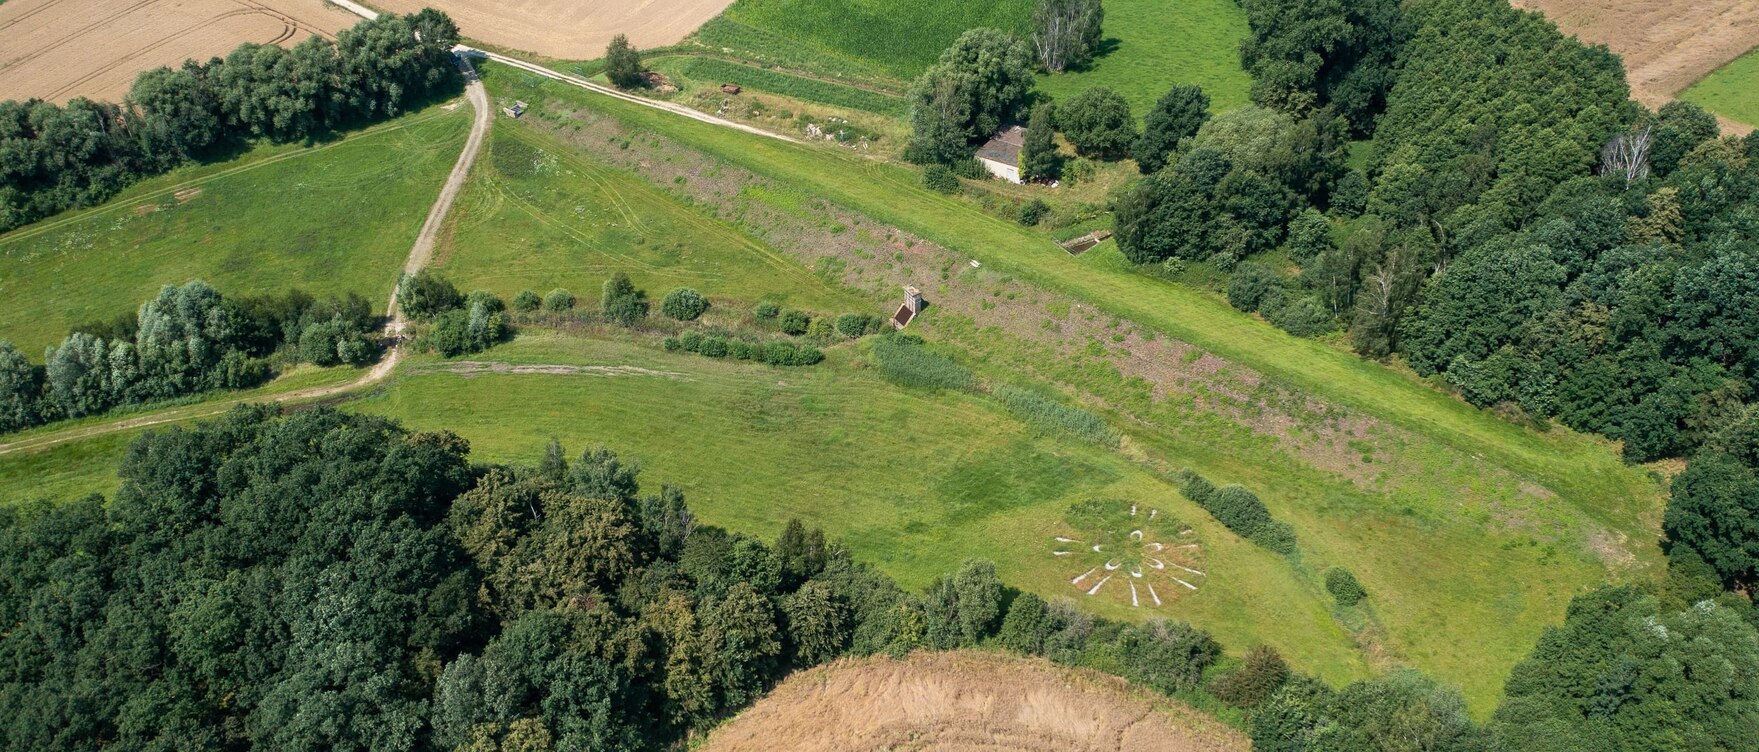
point(966, 701)
point(61, 49)
point(569, 29)
point(1667, 44)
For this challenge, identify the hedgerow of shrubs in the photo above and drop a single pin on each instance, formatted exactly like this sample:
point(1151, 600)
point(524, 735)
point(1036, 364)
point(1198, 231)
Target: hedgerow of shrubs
point(1239, 510)
point(719, 345)
point(459, 325)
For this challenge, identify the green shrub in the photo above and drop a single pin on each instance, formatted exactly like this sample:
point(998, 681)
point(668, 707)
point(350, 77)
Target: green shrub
point(424, 295)
point(672, 344)
point(742, 350)
point(621, 302)
point(821, 329)
point(1033, 211)
point(713, 345)
point(1276, 536)
point(1027, 626)
point(1169, 656)
point(940, 179)
point(1050, 417)
point(856, 325)
point(969, 168)
point(1344, 587)
point(558, 301)
point(683, 304)
point(1196, 488)
point(795, 322)
point(1262, 673)
point(913, 365)
point(1300, 315)
point(766, 310)
point(1250, 284)
point(1238, 509)
point(527, 301)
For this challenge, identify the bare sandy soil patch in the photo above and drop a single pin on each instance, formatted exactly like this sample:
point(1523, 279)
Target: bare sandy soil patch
point(61, 49)
point(1667, 44)
point(966, 701)
point(569, 29)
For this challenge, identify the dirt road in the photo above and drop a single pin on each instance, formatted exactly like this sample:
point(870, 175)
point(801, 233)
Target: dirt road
point(419, 253)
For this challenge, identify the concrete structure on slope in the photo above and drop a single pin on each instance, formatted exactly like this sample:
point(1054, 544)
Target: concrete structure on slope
point(1001, 155)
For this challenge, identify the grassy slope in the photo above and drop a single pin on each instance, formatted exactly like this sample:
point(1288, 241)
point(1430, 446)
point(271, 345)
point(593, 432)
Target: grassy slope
point(1732, 91)
point(753, 446)
point(1197, 42)
point(537, 216)
point(1468, 581)
point(1151, 46)
point(900, 37)
point(331, 218)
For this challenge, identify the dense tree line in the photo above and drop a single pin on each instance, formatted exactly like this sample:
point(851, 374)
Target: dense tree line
point(54, 158)
point(187, 339)
point(328, 581)
point(1337, 54)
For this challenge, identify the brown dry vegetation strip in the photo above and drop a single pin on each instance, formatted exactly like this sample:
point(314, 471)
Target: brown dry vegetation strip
point(1667, 44)
point(954, 702)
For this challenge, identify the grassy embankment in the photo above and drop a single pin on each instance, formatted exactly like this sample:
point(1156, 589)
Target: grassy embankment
point(1449, 554)
point(331, 218)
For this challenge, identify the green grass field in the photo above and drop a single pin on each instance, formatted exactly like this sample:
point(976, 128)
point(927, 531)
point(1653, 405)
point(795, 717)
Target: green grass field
point(1480, 542)
point(1150, 46)
point(538, 216)
point(1196, 42)
point(331, 218)
point(899, 37)
point(1732, 91)
point(913, 481)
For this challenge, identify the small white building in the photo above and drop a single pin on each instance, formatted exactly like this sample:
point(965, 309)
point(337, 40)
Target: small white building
point(1001, 155)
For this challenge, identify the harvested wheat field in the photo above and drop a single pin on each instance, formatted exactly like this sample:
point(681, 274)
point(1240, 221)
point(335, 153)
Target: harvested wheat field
point(965, 702)
point(1667, 44)
point(61, 49)
point(569, 29)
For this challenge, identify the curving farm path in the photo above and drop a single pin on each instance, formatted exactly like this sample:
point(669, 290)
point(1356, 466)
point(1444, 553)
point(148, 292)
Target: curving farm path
point(419, 254)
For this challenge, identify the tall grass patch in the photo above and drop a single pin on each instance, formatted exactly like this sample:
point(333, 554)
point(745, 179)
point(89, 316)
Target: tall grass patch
point(710, 70)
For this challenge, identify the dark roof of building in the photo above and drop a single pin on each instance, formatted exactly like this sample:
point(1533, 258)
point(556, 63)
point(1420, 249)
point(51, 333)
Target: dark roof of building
point(1005, 147)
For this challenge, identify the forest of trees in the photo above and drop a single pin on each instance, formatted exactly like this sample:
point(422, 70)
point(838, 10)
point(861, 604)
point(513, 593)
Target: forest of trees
point(329, 581)
point(1522, 230)
point(332, 581)
point(187, 339)
point(54, 158)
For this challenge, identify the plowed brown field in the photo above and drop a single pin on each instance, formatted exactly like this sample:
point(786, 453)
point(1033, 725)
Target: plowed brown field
point(1667, 44)
point(569, 29)
point(61, 49)
point(966, 702)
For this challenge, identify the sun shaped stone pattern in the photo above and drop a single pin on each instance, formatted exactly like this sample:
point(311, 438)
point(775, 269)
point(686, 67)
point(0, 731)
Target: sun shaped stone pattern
point(1130, 552)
